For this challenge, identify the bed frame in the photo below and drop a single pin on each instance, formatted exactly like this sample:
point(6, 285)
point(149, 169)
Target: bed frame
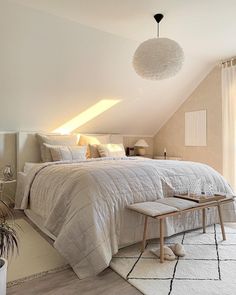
point(27, 149)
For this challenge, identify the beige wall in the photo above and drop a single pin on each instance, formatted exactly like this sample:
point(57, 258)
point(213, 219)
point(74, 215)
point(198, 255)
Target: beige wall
point(171, 136)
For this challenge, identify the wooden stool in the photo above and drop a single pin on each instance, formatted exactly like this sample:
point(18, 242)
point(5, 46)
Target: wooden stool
point(167, 207)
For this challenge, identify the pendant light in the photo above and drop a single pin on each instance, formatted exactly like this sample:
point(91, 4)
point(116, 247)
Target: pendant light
point(158, 58)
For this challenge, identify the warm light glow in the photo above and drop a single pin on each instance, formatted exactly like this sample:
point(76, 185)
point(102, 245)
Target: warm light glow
point(92, 112)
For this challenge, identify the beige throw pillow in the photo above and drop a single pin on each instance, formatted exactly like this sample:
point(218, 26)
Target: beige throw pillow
point(111, 150)
point(67, 153)
point(92, 141)
point(54, 139)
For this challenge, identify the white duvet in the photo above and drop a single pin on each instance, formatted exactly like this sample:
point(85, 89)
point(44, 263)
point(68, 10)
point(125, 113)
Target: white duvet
point(84, 204)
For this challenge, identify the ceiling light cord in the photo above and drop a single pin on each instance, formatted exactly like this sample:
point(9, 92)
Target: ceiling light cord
point(158, 17)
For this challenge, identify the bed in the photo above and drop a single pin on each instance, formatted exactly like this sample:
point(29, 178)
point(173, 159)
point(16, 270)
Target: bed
point(82, 204)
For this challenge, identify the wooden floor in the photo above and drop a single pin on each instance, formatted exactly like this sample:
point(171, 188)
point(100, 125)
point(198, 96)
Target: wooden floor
point(67, 283)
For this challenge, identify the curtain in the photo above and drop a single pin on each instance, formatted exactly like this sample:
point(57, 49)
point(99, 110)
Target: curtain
point(229, 123)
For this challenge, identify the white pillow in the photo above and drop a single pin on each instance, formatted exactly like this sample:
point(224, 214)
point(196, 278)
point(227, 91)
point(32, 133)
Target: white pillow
point(67, 153)
point(92, 141)
point(111, 150)
point(54, 139)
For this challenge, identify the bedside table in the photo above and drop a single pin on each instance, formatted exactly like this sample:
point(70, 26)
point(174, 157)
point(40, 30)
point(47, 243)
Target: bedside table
point(2, 185)
point(167, 158)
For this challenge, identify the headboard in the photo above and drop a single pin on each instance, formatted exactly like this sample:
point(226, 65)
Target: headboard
point(28, 149)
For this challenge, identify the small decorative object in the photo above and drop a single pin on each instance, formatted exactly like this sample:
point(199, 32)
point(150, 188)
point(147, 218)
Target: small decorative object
point(7, 173)
point(165, 153)
point(195, 187)
point(158, 58)
point(129, 151)
point(208, 189)
point(141, 144)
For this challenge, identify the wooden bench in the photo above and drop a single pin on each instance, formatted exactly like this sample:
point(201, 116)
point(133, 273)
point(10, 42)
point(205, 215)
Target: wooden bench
point(172, 206)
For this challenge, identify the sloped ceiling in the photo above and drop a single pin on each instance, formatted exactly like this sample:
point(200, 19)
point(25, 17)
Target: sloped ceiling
point(205, 29)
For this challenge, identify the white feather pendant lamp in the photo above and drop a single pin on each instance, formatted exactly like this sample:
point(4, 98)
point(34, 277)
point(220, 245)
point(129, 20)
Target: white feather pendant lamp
point(158, 58)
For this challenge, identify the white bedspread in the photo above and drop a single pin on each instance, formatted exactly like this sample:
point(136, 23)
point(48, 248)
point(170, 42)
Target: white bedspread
point(83, 204)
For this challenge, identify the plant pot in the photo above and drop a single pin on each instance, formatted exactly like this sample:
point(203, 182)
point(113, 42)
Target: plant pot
point(3, 276)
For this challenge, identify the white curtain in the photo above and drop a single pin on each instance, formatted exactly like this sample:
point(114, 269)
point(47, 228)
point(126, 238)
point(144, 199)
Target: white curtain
point(229, 123)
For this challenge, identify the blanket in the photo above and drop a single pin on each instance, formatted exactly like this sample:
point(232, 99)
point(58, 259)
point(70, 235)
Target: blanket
point(83, 203)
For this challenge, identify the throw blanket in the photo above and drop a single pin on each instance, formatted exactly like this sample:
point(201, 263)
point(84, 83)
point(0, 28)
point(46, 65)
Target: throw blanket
point(84, 203)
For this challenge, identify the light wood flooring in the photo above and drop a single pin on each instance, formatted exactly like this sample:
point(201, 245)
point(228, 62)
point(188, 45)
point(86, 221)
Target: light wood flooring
point(67, 283)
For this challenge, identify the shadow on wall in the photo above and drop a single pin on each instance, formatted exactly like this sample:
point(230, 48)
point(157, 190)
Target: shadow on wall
point(87, 115)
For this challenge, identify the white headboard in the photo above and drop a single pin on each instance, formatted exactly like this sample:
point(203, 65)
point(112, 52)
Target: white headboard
point(28, 149)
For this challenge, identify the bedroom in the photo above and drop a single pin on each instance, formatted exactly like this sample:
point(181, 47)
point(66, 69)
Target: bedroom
point(89, 126)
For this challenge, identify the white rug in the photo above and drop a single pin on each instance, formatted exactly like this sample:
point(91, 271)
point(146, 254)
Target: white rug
point(36, 256)
point(209, 267)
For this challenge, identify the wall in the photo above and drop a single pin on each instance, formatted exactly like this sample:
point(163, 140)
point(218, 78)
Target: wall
point(171, 136)
point(53, 69)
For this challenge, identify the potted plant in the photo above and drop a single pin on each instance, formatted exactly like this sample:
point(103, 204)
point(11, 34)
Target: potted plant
point(8, 242)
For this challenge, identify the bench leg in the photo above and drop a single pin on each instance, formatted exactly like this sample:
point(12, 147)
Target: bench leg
point(161, 242)
point(221, 222)
point(204, 220)
point(144, 234)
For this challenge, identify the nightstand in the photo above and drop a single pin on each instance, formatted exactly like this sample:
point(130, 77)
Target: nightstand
point(167, 158)
point(2, 185)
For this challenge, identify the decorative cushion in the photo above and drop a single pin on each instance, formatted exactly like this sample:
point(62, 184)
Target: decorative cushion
point(111, 150)
point(67, 153)
point(152, 208)
point(178, 203)
point(92, 141)
point(54, 139)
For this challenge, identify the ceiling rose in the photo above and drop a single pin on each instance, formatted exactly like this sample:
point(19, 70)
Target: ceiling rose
point(158, 58)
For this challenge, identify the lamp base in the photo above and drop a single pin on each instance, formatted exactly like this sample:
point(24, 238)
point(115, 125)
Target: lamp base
point(141, 151)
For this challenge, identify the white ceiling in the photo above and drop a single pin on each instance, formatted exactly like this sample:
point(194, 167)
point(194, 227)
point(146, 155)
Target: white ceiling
point(205, 29)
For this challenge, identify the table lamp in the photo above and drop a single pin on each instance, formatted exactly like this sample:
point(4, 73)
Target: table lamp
point(141, 144)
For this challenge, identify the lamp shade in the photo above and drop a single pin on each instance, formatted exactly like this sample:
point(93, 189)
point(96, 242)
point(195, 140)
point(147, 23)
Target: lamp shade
point(141, 143)
point(158, 58)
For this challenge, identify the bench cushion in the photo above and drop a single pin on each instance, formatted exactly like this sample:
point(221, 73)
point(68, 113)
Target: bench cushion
point(152, 208)
point(178, 203)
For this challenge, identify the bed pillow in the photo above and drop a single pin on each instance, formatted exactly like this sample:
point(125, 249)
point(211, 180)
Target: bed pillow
point(111, 150)
point(92, 141)
point(67, 153)
point(54, 139)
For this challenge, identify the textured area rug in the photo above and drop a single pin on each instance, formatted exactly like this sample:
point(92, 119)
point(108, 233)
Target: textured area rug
point(36, 256)
point(208, 268)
